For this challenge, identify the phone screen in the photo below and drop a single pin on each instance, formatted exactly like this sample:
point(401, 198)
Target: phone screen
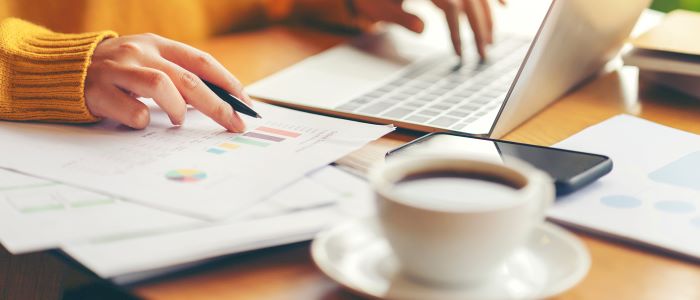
point(569, 169)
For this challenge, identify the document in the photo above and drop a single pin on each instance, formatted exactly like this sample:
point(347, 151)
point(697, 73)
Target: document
point(327, 197)
point(37, 214)
point(197, 169)
point(652, 195)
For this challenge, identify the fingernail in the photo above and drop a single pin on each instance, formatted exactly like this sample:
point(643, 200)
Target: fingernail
point(236, 124)
point(418, 26)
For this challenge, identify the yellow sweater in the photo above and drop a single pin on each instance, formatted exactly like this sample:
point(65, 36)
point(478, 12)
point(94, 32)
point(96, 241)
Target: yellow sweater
point(42, 72)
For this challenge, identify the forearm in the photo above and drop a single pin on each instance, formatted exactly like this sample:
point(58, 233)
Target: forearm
point(42, 73)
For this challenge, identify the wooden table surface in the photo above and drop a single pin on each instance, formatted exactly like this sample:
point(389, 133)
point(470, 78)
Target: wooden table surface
point(618, 271)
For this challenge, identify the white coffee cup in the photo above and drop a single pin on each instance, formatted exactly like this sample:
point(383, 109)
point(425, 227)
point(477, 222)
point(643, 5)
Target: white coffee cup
point(455, 242)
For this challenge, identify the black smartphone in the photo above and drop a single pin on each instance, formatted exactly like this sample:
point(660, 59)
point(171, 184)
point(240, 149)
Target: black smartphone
point(570, 170)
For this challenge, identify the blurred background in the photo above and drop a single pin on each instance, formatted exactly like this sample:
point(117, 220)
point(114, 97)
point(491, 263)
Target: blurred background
point(668, 5)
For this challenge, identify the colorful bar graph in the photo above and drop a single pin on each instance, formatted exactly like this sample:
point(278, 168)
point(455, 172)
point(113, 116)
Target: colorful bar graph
point(264, 137)
point(278, 131)
point(242, 140)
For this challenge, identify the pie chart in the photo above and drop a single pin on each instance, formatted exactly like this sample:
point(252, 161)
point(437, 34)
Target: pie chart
point(186, 175)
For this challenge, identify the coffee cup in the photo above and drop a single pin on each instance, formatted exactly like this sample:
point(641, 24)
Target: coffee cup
point(454, 220)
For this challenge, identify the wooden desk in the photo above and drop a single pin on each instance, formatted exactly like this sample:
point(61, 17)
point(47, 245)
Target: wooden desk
point(618, 271)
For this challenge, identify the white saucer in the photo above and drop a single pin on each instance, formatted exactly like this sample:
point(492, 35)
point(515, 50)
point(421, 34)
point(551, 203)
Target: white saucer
point(358, 257)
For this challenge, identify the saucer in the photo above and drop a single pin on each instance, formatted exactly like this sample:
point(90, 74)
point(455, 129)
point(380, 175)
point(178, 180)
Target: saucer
point(357, 256)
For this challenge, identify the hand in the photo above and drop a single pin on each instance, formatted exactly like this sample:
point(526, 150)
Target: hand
point(147, 65)
point(478, 12)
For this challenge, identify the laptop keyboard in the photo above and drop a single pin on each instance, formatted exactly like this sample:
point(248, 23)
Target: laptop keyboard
point(434, 92)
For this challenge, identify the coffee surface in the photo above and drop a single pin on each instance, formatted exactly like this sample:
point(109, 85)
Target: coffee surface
point(453, 193)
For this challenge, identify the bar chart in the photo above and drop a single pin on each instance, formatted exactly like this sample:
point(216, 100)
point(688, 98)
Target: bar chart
point(261, 137)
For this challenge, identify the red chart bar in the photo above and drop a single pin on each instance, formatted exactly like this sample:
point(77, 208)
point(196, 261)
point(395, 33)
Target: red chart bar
point(282, 132)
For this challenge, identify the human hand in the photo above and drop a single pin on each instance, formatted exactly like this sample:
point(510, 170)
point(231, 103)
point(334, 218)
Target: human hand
point(147, 65)
point(478, 13)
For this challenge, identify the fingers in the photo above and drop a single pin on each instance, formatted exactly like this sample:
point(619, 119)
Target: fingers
point(203, 65)
point(393, 12)
point(488, 19)
point(151, 83)
point(478, 24)
point(200, 96)
point(451, 8)
point(111, 102)
point(389, 11)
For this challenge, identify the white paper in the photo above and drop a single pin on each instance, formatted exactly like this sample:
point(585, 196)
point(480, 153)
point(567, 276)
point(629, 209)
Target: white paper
point(36, 214)
point(198, 169)
point(652, 195)
point(350, 197)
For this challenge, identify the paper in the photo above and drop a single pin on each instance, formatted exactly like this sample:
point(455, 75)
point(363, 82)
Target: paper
point(336, 196)
point(197, 169)
point(652, 195)
point(36, 214)
point(673, 34)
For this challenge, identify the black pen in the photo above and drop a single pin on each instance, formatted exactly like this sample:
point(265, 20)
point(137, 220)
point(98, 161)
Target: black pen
point(237, 104)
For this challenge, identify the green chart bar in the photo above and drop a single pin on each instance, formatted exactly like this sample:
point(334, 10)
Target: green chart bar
point(242, 140)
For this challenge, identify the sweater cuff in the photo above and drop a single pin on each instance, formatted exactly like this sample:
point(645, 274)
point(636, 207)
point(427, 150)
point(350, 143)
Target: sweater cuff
point(48, 72)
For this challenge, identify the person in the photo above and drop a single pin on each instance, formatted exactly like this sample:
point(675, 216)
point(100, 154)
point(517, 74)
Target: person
point(88, 73)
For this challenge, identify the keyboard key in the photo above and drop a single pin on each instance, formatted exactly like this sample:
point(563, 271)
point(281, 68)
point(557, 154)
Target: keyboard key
point(376, 108)
point(349, 107)
point(374, 94)
point(418, 119)
point(459, 113)
point(429, 112)
point(480, 101)
point(394, 98)
point(361, 100)
point(444, 121)
point(469, 107)
point(440, 107)
point(426, 98)
point(452, 100)
point(398, 113)
point(412, 106)
point(412, 90)
point(399, 81)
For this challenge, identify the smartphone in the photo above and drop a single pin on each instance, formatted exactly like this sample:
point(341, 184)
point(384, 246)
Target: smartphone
point(571, 170)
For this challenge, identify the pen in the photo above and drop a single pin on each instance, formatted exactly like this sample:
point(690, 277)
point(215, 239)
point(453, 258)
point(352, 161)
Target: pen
point(237, 104)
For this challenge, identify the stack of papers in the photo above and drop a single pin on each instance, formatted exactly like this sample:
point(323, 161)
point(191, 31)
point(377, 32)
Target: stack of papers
point(669, 53)
point(652, 196)
point(179, 195)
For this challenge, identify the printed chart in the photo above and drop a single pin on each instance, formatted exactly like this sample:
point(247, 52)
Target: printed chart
point(37, 214)
point(197, 169)
point(262, 137)
point(652, 196)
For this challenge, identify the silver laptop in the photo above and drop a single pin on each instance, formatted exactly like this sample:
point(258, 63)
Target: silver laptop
point(412, 81)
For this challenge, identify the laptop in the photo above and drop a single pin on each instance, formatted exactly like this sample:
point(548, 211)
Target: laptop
point(412, 81)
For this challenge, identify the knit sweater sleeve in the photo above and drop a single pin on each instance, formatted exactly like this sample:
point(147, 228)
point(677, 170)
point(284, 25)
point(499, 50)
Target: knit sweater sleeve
point(42, 73)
